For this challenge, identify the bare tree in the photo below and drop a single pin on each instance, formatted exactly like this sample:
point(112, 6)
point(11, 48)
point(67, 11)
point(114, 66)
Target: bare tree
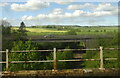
point(5, 23)
point(6, 27)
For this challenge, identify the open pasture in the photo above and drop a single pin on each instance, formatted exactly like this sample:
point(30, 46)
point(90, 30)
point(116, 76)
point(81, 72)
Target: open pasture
point(96, 30)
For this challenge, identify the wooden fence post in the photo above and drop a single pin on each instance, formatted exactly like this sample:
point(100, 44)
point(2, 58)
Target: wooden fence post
point(7, 60)
point(101, 57)
point(54, 57)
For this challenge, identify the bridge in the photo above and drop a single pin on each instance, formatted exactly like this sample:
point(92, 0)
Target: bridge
point(67, 38)
point(63, 38)
point(87, 39)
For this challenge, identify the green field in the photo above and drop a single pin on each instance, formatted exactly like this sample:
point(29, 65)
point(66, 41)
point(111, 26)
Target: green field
point(79, 30)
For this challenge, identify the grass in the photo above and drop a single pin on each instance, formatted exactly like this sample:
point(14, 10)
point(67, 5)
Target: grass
point(78, 30)
point(39, 30)
point(44, 33)
point(97, 28)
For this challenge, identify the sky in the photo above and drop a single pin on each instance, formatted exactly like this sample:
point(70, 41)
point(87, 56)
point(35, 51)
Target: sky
point(37, 12)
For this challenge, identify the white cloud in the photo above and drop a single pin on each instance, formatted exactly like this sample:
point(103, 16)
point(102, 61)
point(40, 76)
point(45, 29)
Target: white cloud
point(96, 10)
point(115, 11)
point(77, 7)
point(63, 2)
point(78, 12)
point(58, 11)
point(100, 7)
point(27, 17)
point(68, 15)
point(78, 15)
point(60, 14)
point(30, 5)
point(3, 4)
point(11, 21)
point(4, 18)
point(105, 7)
point(99, 13)
point(55, 15)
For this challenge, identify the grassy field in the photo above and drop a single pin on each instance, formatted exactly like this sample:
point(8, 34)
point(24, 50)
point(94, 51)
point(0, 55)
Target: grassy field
point(39, 30)
point(42, 31)
point(78, 30)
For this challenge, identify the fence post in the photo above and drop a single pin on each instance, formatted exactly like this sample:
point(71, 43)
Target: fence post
point(54, 57)
point(101, 57)
point(7, 60)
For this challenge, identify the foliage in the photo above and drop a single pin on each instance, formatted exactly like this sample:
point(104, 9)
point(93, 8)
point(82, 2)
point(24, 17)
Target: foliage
point(6, 28)
point(22, 27)
point(22, 31)
point(111, 54)
point(91, 55)
point(71, 32)
point(65, 55)
point(6, 32)
point(109, 42)
point(106, 43)
point(18, 46)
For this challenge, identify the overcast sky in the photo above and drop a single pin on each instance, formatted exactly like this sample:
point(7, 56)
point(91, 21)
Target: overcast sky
point(35, 12)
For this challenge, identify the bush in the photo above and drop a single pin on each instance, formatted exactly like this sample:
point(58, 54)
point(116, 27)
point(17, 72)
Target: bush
point(71, 32)
point(28, 56)
point(65, 55)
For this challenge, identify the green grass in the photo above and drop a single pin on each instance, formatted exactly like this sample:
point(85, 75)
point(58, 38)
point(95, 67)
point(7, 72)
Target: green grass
point(40, 30)
point(97, 28)
point(44, 33)
point(78, 30)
